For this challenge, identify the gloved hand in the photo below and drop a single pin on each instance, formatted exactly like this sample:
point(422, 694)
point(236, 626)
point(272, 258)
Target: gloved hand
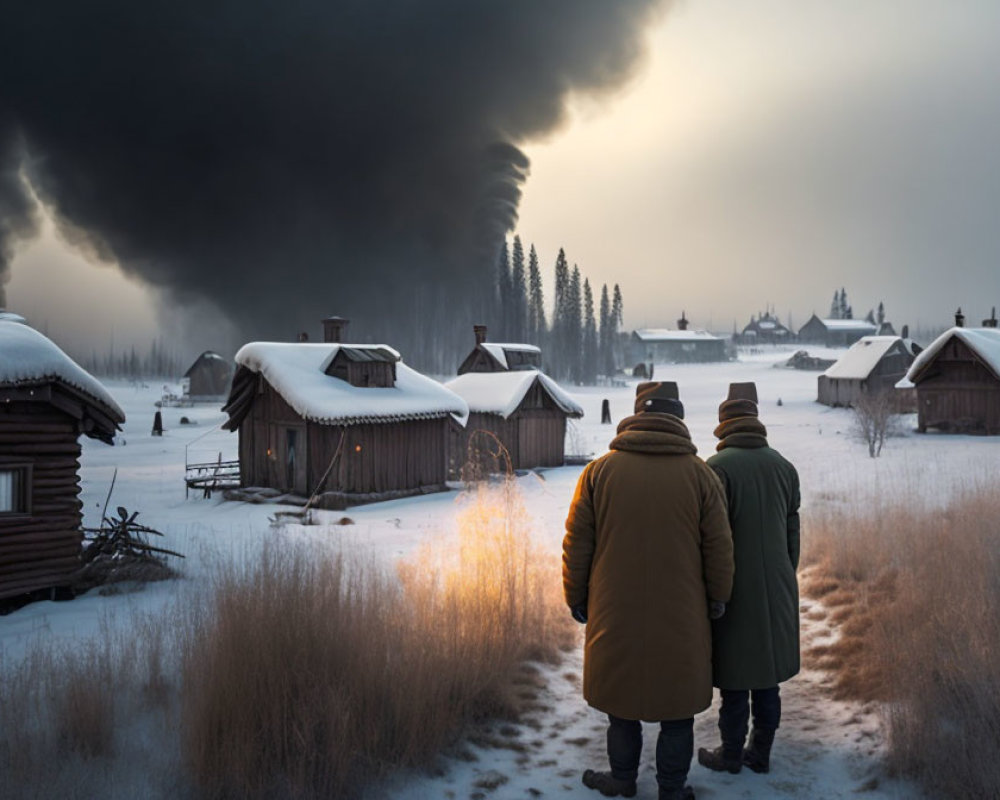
point(579, 613)
point(716, 609)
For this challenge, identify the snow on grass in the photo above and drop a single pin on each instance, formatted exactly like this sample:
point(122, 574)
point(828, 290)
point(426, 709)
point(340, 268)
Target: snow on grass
point(824, 749)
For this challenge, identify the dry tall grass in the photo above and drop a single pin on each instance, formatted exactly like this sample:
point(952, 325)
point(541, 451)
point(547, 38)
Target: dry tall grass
point(915, 593)
point(309, 677)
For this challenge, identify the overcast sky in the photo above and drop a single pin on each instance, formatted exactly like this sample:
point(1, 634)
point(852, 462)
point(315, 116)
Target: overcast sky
point(767, 152)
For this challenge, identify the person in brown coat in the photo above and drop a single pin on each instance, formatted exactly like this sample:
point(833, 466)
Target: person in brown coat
point(647, 553)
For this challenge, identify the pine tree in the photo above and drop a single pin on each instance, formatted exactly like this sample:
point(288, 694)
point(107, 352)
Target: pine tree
point(617, 321)
point(559, 356)
point(590, 357)
point(519, 294)
point(607, 361)
point(574, 326)
point(504, 291)
point(880, 316)
point(844, 308)
point(536, 301)
point(835, 306)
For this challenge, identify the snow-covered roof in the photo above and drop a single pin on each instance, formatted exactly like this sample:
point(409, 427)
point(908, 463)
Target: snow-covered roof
point(862, 357)
point(297, 371)
point(984, 342)
point(502, 392)
point(665, 335)
point(10, 316)
point(497, 350)
point(849, 325)
point(28, 357)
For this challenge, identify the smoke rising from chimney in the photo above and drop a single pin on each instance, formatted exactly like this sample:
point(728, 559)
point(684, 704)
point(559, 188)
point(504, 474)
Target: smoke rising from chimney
point(281, 160)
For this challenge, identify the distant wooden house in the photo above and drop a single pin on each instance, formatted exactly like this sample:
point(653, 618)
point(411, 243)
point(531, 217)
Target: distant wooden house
point(499, 357)
point(207, 379)
point(47, 402)
point(349, 422)
point(957, 380)
point(512, 400)
point(765, 329)
point(873, 364)
point(835, 332)
point(665, 346)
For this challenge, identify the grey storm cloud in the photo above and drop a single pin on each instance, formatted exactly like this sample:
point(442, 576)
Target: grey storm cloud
point(289, 160)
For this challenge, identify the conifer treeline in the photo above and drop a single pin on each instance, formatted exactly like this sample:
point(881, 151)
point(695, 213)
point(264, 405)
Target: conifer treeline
point(158, 362)
point(576, 345)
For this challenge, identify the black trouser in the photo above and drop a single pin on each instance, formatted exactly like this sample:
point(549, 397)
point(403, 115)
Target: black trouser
point(734, 715)
point(674, 748)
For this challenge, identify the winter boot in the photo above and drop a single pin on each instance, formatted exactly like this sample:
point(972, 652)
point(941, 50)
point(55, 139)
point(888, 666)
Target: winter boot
point(721, 759)
point(608, 785)
point(757, 755)
point(687, 793)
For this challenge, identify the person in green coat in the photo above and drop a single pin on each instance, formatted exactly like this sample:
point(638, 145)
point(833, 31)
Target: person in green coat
point(755, 646)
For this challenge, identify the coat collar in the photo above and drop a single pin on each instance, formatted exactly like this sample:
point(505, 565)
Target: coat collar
point(652, 432)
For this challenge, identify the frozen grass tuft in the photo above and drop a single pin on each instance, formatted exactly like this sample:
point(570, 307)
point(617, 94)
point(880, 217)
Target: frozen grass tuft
point(307, 678)
point(913, 592)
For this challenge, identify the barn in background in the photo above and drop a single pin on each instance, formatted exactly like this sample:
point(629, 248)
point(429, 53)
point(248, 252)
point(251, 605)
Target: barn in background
point(957, 380)
point(207, 379)
point(511, 400)
point(348, 422)
point(47, 402)
point(664, 346)
point(873, 364)
point(836, 332)
point(765, 329)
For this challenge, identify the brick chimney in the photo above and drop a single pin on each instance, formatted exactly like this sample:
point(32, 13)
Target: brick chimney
point(682, 323)
point(480, 333)
point(333, 329)
point(992, 321)
point(959, 319)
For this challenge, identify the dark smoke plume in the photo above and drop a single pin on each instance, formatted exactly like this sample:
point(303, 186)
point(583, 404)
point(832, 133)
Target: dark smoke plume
point(289, 160)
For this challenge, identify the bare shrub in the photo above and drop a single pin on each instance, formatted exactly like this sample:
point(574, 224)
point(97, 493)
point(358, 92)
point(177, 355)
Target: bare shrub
point(310, 677)
point(917, 592)
point(874, 419)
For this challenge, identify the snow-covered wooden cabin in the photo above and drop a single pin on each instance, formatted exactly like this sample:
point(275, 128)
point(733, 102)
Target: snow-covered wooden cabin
point(665, 346)
point(499, 356)
point(872, 365)
point(836, 332)
point(47, 401)
point(207, 379)
point(510, 398)
point(765, 329)
point(350, 422)
point(957, 380)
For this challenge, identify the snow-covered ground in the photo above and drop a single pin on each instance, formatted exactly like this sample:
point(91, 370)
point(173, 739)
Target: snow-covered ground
point(825, 749)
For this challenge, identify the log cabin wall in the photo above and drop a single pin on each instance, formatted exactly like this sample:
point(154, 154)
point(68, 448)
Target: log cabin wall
point(958, 393)
point(41, 548)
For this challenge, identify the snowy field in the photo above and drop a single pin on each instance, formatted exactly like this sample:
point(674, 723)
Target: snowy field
point(825, 749)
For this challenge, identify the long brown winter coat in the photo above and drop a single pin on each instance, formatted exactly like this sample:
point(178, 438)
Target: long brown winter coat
point(647, 544)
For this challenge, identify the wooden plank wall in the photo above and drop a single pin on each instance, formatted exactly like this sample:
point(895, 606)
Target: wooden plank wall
point(41, 550)
point(959, 393)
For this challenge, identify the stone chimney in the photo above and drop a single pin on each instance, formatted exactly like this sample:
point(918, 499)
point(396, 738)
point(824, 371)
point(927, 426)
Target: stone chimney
point(959, 319)
point(480, 332)
point(682, 323)
point(992, 321)
point(333, 329)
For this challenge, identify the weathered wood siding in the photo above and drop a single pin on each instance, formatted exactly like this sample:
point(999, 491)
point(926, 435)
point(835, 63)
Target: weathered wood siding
point(958, 393)
point(890, 369)
point(534, 435)
point(41, 549)
point(376, 457)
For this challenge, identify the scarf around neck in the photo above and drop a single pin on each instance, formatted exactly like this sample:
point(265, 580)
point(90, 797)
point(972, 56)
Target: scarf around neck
point(741, 432)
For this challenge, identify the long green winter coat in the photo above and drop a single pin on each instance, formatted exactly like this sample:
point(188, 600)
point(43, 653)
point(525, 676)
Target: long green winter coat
point(647, 544)
point(756, 643)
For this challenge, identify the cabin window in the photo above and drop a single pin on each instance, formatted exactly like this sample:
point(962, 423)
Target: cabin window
point(15, 482)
